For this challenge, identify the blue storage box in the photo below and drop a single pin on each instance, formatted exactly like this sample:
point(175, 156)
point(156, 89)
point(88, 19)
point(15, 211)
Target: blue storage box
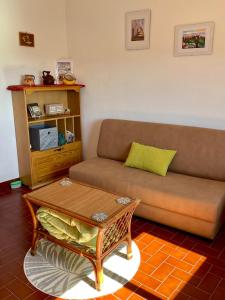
point(43, 137)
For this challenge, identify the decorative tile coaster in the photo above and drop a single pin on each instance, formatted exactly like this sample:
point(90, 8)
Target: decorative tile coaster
point(99, 217)
point(65, 182)
point(123, 200)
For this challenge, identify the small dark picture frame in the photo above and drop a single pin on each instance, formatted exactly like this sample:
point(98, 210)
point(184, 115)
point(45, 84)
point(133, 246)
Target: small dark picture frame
point(34, 110)
point(26, 39)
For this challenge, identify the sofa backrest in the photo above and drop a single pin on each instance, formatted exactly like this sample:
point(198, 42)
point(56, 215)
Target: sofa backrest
point(200, 151)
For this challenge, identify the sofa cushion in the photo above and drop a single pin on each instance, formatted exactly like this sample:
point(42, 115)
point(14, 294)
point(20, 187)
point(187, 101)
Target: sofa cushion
point(149, 158)
point(200, 151)
point(191, 196)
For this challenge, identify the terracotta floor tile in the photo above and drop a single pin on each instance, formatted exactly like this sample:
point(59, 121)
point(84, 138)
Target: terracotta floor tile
point(11, 297)
point(162, 232)
point(209, 282)
point(126, 290)
point(161, 241)
point(178, 254)
point(147, 238)
point(148, 226)
point(153, 247)
point(148, 293)
point(162, 271)
point(194, 292)
point(192, 258)
point(222, 284)
point(4, 293)
point(140, 245)
point(38, 295)
point(169, 286)
point(179, 238)
point(218, 271)
point(140, 277)
point(137, 236)
point(146, 268)
point(167, 249)
point(170, 244)
point(178, 263)
point(218, 243)
point(151, 282)
point(145, 257)
point(19, 289)
point(222, 255)
point(205, 250)
point(201, 268)
point(215, 261)
point(188, 244)
point(154, 239)
point(219, 294)
point(135, 297)
point(179, 296)
point(157, 258)
point(187, 277)
point(5, 277)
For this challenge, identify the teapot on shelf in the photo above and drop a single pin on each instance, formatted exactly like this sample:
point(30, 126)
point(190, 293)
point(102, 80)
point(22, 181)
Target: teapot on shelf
point(47, 78)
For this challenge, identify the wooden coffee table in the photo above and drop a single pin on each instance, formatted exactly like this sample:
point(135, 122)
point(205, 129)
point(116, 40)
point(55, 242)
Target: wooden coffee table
point(82, 202)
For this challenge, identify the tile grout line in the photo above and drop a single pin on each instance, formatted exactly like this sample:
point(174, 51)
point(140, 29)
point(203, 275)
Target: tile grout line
point(203, 277)
point(167, 278)
point(155, 254)
point(218, 256)
point(150, 244)
point(154, 290)
point(12, 293)
point(177, 288)
point(221, 279)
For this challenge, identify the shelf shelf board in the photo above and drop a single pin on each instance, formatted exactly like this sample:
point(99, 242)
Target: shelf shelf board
point(51, 118)
point(42, 88)
point(58, 148)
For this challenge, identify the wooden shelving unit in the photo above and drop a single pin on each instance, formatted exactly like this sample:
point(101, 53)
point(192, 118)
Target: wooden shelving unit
point(37, 168)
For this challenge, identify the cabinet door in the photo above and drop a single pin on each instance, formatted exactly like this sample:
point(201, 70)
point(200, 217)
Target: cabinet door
point(50, 164)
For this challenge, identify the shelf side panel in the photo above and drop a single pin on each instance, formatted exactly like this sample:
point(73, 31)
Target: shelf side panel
point(22, 135)
point(73, 99)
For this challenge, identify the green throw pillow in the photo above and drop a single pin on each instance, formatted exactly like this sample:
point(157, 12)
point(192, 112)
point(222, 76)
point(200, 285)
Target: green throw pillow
point(149, 158)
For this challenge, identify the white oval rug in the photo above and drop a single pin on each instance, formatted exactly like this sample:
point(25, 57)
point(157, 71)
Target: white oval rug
point(59, 272)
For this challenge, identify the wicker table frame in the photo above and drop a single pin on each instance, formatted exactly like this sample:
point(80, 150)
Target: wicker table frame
point(110, 234)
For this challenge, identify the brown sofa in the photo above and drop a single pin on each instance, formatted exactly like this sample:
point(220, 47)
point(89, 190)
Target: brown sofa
point(190, 197)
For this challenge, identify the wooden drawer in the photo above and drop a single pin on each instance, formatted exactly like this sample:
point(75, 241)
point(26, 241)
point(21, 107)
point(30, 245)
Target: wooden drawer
point(52, 163)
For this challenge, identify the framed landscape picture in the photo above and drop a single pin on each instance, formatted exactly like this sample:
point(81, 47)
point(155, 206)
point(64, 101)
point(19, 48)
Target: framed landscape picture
point(137, 29)
point(193, 39)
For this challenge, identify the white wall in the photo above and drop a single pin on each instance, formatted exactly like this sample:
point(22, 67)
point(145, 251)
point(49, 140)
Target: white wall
point(46, 19)
point(150, 84)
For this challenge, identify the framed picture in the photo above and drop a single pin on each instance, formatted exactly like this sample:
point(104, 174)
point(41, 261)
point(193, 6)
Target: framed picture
point(34, 110)
point(63, 66)
point(26, 39)
point(137, 29)
point(193, 39)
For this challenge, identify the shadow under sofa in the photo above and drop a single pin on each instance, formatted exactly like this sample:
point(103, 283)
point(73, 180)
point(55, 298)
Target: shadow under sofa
point(190, 197)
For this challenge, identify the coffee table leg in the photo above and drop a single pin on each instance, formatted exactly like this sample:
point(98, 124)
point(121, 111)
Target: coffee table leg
point(35, 226)
point(99, 275)
point(129, 247)
point(99, 261)
point(34, 243)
